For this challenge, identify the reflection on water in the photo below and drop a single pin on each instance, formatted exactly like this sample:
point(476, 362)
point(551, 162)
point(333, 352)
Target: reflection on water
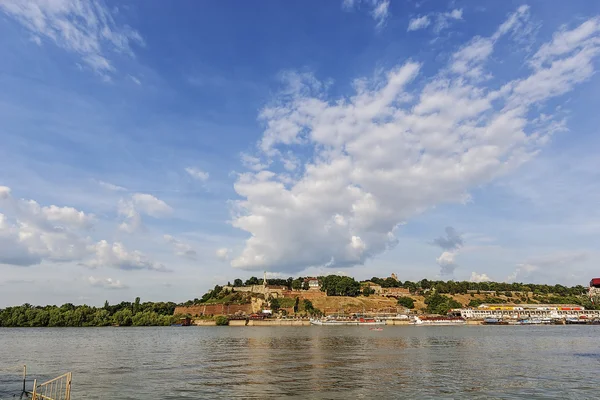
point(311, 362)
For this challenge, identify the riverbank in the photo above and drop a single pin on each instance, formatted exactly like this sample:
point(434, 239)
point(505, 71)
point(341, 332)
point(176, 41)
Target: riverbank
point(294, 322)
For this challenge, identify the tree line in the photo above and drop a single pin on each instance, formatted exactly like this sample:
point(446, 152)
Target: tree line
point(69, 315)
point(328, 283)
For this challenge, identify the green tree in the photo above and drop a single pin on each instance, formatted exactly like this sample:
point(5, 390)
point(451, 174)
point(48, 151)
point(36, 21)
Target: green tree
point(296, 302)
point(275, 305)
point(136, 305)
point(406, 301)
point(308, 306)
point(367, 291)
point(252, 281)
point(122, 317)
point(222, 320)
point(238, 282)
point(297, 284)
point(440, 304)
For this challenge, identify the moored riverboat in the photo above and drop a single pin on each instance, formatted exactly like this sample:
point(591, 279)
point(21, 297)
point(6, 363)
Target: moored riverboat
point(494, 321)
point(329, 321)
point(434, 320)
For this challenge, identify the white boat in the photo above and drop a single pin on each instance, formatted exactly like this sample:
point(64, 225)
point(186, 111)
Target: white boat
point(346, 322)
point(441, 321)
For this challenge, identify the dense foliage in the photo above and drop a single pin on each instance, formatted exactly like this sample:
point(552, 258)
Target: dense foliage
point(406, 301)
point(440, 304)
point(335, 285)
point(123, 314)
point(367, 291)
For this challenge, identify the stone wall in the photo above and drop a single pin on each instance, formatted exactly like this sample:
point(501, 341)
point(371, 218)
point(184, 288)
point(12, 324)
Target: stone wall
point(214, 309)
point(304, 294)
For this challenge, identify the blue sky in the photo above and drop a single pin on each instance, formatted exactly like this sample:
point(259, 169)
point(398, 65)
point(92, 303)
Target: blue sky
point(157, 149)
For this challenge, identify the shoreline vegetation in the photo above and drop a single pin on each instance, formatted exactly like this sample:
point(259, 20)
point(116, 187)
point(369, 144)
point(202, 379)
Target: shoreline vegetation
point(425, 296)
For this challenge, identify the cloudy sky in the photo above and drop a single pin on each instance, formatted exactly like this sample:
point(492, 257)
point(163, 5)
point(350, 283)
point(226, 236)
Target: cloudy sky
point(157, 148)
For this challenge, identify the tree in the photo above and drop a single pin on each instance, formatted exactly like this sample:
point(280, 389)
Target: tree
point(305, 285)
point(238, 282)
point(297, 284)
point(296, 304)
point(406, 301)
point(308, 306)
point(474, 303)
point(440, 304)
point(335, 285)
point(136, 305)
point(221, 320)
point(122, 317)
point(367, 291)
point(252, 281)
point(274, 304)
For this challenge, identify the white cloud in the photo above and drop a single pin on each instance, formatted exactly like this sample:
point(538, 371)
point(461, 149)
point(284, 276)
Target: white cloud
point(181, 249)
point(379, 9)
point(223, 253)
point(14, 251)
point(135, 80)
point(475, 277)
point(418, 23)
point(32, 233)
point(253, 163)
point(111, 187)
point(197, 174)
point(84, 28)
point(442, 20)
point(141, 203)
point(389, 152)
point(5, 192)
point(117, 256)
point(151, 205)
point(107, 283)
point(565, 42)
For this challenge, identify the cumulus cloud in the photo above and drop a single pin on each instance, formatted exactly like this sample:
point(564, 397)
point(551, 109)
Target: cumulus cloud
point(223, 253)
point(31, 233)
point(197, 174)
point(181, 249)
point(138, 204)
point(107, 283)
point(446, 263)
point(379, 9)
point(451, 241)
point(475, 277)
point(84, 28)
point(151, 205)
point(389, 152)
point(13, 251)
point(116, 255)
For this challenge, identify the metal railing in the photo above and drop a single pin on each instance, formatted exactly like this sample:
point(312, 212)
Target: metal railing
point(58, 388)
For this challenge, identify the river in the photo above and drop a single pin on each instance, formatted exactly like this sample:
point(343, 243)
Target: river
point(460, 362)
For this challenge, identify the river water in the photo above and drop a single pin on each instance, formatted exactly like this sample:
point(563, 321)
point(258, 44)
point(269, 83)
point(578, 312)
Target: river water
point(408, 362)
